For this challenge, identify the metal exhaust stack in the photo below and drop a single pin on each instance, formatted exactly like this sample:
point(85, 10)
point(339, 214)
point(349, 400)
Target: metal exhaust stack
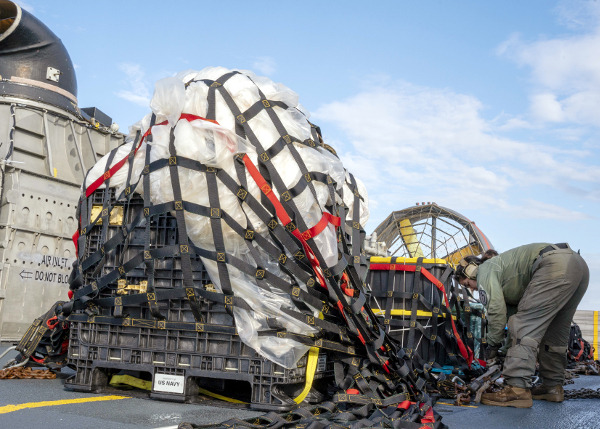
point(35, 64)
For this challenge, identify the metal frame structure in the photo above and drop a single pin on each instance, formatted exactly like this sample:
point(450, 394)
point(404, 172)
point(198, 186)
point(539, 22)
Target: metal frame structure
point(431, 231)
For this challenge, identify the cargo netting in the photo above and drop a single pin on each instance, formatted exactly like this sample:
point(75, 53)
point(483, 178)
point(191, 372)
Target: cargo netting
point(225, 213)
point(435, 319)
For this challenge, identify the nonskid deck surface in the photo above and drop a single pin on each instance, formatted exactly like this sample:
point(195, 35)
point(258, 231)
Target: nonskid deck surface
point(572, 413)
point(30, 403)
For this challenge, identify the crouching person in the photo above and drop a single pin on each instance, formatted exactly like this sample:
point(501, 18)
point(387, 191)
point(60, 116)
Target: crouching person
point(545, 282)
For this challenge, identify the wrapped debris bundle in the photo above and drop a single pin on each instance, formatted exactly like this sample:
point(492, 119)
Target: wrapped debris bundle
point(228, 175)
point(250, 125)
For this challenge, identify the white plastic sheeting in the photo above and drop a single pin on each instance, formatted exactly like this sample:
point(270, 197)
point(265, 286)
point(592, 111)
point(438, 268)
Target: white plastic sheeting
point(216, 145)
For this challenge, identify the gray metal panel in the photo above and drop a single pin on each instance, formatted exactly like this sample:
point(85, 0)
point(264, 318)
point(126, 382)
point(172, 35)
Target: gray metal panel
point(585, 320)
point(40, 190)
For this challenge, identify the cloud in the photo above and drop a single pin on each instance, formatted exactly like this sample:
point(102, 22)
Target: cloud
point(139, 89)
point(577, 14)
point(545, 107)
point(429, 144)
point(265, 65)
point(565, 71)
point(540, 210)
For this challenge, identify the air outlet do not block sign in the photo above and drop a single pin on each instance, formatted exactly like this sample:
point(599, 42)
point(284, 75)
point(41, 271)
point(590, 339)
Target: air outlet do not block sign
point(168, 383)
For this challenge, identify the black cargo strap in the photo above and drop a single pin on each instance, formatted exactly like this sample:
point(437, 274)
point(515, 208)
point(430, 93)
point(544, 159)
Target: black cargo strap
point(348, 325)
point(425, 331)
point(149, 262)
point(156, 324)
point(39, 330)
point(351, 411)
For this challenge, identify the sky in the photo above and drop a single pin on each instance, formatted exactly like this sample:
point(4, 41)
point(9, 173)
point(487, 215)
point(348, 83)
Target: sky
point(488, 108)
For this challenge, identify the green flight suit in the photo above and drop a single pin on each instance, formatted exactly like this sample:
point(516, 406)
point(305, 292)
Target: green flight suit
point(546, 290)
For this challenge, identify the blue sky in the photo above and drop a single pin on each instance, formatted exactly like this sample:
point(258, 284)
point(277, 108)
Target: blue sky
point(487, 108)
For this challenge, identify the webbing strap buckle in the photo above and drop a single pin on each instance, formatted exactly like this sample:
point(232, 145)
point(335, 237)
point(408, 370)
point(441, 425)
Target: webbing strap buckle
point(242, 193)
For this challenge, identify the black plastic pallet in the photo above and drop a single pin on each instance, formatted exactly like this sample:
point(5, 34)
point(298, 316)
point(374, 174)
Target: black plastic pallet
point(207, 354)
point(217, 362)
point(163, 232)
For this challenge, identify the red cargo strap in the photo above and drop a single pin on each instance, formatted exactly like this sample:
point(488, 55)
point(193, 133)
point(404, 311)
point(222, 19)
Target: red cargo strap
point(581, 345)
point(405, 405)
point(50, 324)
point(327, 219)
point(64, 348)
point(189, 117)
point(344, 285)
point(428, 417)
point(75, 238)
point(40, 361)
point(465, 351)
point(285, 218)
point(110, 172)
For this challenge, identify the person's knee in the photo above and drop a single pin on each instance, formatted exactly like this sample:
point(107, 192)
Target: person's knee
point(522, 356)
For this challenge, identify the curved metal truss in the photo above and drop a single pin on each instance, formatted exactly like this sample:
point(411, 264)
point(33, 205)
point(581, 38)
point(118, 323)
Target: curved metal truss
point(431, 231)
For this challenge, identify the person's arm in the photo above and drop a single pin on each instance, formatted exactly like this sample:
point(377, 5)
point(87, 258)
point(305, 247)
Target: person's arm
point(488, 282)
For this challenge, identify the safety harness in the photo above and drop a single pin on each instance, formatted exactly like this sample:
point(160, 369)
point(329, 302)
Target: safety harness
point(45, 343)
point(579, 350)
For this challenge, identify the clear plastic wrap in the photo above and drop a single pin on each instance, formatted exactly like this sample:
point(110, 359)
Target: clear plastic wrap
point(215, 144)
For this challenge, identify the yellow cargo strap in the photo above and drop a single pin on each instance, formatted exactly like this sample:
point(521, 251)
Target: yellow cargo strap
point(408, 313)
point(128, 380)
point(221, 397)
point(311, 367)
point(402, 260)
point(410, 238)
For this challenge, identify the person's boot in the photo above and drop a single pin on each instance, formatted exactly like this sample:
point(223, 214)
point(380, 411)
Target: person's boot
point(548, 393)
point(509, 396)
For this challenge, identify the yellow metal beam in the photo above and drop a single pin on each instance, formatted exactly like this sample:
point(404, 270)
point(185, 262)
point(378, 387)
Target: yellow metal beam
point(595, 335)
point(410, 239)
point(456, 256)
